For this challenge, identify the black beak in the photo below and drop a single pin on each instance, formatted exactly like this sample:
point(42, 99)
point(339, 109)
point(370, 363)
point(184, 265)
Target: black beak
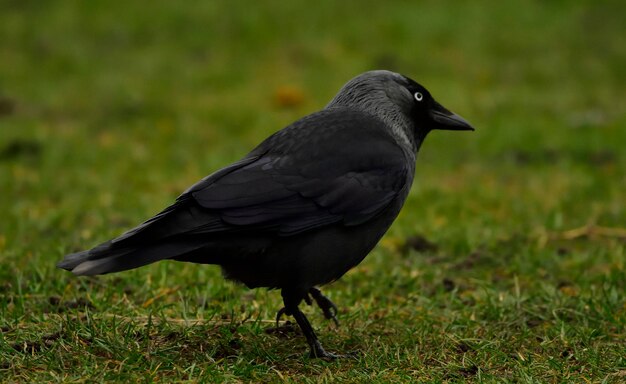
point(447, 120)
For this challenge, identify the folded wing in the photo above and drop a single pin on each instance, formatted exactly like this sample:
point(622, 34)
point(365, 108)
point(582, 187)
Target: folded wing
point(341, 167)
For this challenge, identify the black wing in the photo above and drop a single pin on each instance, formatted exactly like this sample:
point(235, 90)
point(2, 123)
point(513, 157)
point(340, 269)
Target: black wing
point(332, 166)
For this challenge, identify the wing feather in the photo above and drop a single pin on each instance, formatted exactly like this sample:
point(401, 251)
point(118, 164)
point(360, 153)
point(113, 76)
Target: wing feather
point(306, 176)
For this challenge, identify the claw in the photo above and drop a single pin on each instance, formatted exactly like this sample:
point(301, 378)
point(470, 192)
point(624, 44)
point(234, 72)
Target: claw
point(317, 351)
point(329, 356)
point(329, 308)
point(331, 312)
point(280, 314)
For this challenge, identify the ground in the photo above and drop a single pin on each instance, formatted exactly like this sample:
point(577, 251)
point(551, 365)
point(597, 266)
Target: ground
point(506, 265)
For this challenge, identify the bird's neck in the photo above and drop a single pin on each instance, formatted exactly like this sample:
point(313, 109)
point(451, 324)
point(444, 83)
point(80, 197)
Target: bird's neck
point(401, 127)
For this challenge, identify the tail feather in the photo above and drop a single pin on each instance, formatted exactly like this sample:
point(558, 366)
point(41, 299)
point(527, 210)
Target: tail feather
point(72, 260)
point(176, 231)
point(100, 261)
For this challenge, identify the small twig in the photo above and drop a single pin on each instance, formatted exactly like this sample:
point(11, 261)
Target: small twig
point(163, 292)
point(144, 319)
point(591, 230)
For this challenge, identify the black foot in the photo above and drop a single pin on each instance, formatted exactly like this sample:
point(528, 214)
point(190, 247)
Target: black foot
point(286, 330)
point(317, 352)
point(328, 307)
point(279, 314)
point(328, 356)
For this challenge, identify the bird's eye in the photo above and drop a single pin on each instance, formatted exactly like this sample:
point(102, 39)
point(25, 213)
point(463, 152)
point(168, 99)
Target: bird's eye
point(418, 96)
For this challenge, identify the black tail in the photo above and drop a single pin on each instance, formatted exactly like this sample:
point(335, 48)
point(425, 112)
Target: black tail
point(171, 234)
point(107, 258)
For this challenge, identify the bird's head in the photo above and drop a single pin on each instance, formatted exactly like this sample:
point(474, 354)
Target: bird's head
point(404, 104)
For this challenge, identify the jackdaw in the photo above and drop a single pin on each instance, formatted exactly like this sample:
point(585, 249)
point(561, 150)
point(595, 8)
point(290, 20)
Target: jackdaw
point(304, 207)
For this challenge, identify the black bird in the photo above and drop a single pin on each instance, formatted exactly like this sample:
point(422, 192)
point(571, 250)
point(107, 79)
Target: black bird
point(304, 207)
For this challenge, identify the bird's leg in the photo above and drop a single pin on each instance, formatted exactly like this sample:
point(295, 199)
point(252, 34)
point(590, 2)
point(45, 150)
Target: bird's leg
point(307, 299)
point(328, 307)
point(291, 305)
point(316, 347)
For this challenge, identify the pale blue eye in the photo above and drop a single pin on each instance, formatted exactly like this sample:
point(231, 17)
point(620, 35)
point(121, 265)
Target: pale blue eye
point(418, 96)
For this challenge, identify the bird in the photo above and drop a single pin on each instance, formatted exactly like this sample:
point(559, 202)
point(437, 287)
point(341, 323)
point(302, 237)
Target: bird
point(302, 208)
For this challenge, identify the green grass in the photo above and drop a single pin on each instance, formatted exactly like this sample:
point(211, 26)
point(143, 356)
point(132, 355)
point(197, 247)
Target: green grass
point(108, 110)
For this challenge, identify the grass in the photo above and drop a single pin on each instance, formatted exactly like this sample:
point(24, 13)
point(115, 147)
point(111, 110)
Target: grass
point(506, 265)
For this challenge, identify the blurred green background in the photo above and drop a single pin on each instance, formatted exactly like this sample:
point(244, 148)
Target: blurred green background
point(110, 109)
